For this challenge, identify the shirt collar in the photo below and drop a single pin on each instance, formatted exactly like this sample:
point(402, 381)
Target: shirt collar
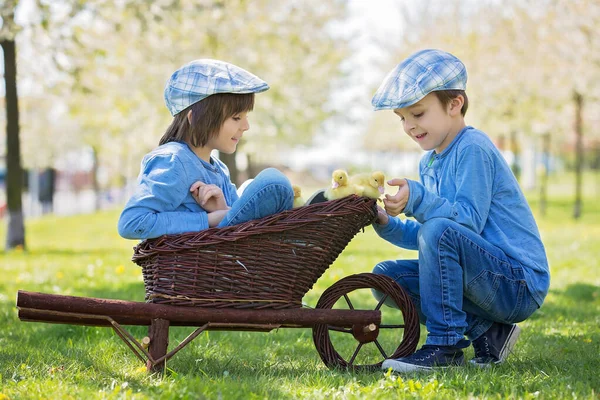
point(457, 139)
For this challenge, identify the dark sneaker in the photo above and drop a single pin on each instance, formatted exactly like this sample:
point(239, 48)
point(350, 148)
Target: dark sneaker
point(317, 197)
point(495, 344)
point(428, 357)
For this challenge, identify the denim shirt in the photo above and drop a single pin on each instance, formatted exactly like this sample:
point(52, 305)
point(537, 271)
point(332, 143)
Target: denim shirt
point(470, 183)
point(162, 202)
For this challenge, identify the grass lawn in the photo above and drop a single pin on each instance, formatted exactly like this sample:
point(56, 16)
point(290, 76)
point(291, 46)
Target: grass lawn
point(557, 356)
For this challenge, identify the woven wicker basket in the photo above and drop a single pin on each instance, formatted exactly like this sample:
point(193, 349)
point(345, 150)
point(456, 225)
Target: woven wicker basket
point(266, 263)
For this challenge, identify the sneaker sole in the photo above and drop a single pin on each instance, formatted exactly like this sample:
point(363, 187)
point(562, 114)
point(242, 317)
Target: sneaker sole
point(506, 349)
point(398, 366)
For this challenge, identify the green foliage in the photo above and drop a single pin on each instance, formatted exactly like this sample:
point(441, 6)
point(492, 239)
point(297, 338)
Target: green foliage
point(103, 66)
point(556, 356)
point(524, 60)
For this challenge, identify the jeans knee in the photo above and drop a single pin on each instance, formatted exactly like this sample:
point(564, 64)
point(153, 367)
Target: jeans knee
point(431, 231)
point(382, 269)
point(275, 177)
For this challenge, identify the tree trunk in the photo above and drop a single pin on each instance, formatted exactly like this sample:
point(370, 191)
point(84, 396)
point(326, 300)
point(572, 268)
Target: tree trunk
point(14, 174)
point(251, 169)
point(544, 175)
point(229, 160)
point(578, 98)
point(516, 163)
point(597, 167)
point(95, 185)
point(528, 163)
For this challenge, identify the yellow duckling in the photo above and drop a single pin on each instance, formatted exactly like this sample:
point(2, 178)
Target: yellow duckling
point(298, 200)
point(370, 184)
point(340, 187)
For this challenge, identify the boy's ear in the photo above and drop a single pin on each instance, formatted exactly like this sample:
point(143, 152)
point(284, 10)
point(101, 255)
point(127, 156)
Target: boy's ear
point(189, 117)
point(456, 105)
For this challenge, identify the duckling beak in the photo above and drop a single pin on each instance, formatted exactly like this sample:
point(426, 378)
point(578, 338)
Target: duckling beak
point(381, 189)
point(334, 185)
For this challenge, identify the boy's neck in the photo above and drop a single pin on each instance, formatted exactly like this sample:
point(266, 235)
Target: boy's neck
point(461, 124)
point(456, 127)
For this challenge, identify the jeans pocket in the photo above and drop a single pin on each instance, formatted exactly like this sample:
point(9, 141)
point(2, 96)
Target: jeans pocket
point(528, 306)
point(500, 297)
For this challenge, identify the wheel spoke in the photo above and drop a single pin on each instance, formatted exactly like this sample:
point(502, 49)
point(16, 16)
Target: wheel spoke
point(383, 299)
point(381, 350)
point(387, 326)
point(338, 329)
point(348, 301)
point(351, 362)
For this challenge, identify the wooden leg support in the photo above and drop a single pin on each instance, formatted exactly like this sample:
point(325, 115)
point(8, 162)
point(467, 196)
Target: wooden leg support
point(159, 341)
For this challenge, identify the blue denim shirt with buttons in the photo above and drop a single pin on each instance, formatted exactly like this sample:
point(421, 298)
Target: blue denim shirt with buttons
point(470, 183)
point(162, 202)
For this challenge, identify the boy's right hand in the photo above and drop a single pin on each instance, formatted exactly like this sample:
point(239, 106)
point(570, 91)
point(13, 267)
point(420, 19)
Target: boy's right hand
point(394, 205)
point(208, 196)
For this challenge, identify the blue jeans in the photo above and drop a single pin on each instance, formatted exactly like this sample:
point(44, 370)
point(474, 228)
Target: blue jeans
point(269, 193)
point(460, 284)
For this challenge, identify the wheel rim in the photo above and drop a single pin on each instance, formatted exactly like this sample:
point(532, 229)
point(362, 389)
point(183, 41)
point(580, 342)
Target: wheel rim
point(340, 291)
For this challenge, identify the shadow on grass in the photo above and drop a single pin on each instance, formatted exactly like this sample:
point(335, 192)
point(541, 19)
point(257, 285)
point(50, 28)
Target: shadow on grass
point(586, 298)
point(582, 292)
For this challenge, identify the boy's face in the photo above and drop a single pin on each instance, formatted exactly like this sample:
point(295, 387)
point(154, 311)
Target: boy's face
point(230, 134)
point(430, 124)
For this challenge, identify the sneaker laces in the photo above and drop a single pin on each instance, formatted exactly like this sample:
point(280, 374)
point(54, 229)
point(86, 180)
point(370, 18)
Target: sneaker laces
point(425, 352)
point(482, 348)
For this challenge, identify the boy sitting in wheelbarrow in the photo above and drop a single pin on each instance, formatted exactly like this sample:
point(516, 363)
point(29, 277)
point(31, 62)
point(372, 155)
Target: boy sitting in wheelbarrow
point(181, 186)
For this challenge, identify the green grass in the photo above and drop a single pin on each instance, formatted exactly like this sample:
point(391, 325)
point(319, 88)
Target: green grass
point(558, 354)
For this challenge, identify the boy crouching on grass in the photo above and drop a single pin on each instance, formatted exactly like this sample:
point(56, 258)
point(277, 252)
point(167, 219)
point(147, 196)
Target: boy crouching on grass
point(482, 266)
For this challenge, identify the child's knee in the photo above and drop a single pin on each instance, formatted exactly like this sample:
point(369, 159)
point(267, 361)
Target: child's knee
point(275, 177)
point(381, 269)
point(432, 230)
point(277, 183)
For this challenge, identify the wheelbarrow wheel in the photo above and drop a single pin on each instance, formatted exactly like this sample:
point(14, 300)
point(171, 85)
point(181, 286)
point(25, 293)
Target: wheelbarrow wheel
point(400, 323)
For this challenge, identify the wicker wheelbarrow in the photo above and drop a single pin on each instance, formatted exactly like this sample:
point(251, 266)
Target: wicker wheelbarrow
point(252, 277)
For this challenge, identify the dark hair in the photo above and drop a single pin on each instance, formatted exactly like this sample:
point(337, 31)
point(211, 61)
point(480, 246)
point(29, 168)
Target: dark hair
point(208, 116)
point(446, 96)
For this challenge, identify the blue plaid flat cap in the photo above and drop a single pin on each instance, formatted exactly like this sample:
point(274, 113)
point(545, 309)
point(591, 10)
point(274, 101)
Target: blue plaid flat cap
point(200, 78)
point(417, 76)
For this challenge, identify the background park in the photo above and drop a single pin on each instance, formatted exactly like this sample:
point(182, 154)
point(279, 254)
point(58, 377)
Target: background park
point(82, 103)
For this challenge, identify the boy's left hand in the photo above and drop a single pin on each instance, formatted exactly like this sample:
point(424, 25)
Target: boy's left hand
point(208, 196)
point(394, 205)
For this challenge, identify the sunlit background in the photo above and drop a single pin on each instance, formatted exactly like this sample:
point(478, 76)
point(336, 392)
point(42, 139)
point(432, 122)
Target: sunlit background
point(90, 79)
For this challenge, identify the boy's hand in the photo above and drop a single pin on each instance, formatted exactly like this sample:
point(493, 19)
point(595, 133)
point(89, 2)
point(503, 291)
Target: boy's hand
point(394, 205)
point(208, 196)
point(382, 217)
